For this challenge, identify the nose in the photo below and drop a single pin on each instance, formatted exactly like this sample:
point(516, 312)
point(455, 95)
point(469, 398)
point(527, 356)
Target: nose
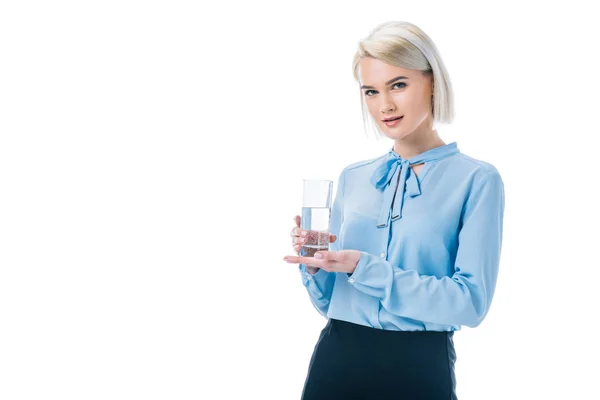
point(387, 107)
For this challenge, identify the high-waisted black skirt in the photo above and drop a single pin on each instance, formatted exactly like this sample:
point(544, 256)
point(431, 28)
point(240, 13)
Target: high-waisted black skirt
point(353, 361)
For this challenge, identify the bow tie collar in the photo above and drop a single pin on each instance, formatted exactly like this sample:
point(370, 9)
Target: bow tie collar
point(396, 169)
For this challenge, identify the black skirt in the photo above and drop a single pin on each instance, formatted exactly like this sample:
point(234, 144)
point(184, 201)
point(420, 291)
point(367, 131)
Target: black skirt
point(353, 361)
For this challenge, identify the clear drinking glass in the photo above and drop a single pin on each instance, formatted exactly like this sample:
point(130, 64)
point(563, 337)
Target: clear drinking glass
point(316, 211)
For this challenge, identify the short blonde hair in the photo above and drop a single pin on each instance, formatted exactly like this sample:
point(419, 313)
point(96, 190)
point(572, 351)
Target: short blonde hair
point(405, 45)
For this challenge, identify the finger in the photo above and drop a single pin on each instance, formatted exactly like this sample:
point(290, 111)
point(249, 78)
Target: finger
point(297, 232)
point(297, 220)
point(325, 256)
point(298, 240)
point(310, 261)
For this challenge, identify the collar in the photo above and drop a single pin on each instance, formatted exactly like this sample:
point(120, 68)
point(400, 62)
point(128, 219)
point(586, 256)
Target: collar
point(396, 169)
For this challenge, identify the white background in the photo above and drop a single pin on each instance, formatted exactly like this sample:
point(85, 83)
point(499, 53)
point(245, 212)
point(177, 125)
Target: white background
point(151, 161)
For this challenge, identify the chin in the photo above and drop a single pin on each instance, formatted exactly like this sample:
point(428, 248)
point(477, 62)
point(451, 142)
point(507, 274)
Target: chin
point(395, 134)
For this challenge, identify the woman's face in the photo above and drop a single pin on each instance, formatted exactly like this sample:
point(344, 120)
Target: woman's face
point(386, 95)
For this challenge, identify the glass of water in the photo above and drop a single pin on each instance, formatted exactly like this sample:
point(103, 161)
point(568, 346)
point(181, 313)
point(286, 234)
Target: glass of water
point(316, 211)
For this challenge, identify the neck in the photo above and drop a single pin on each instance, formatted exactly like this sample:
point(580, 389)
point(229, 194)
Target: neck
point(413, 145)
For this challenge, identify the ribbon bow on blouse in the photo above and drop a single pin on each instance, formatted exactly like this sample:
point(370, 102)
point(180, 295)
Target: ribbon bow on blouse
point(388, 172)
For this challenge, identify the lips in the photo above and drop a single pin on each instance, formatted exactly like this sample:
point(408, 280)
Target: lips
point(391, 119)
point(393, 122)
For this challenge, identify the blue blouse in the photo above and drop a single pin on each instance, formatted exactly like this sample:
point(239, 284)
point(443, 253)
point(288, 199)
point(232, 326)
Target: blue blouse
point(429, 259)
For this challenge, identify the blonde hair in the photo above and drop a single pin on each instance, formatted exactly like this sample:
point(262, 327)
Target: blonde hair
point(405, 45)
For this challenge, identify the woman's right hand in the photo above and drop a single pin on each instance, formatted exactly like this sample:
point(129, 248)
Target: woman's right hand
point(298, 240)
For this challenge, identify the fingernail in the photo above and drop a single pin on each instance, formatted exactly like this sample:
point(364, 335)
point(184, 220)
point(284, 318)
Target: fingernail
point(303, 233)
point(318, 255)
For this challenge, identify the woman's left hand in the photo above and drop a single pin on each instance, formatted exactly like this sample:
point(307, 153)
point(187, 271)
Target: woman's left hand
point(330, 261)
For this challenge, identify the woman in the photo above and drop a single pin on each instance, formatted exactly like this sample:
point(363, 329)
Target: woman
point(416, 237)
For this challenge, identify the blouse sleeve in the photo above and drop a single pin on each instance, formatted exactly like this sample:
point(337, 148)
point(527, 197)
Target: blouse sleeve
point(466, 296)
point(320, 285)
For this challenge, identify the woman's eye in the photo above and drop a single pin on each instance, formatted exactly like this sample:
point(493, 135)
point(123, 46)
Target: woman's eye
point(399, 83)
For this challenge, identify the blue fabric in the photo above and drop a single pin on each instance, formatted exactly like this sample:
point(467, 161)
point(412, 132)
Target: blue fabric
point(429, 258)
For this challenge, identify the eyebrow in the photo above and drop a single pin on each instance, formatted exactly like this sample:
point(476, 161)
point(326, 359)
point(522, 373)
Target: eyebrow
point(387, 83)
